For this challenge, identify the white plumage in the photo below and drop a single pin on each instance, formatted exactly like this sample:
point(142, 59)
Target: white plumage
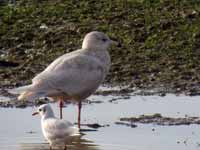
point(56, 131)
point(73, 76)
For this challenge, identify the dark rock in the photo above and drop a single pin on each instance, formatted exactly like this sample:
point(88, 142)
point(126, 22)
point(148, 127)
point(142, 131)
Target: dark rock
point(8, 64)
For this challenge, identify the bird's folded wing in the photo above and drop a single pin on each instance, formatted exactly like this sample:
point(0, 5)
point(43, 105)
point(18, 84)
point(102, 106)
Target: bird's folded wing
point(72, 74)
point(58, 128)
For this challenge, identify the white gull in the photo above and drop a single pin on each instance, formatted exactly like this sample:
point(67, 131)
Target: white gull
point(73, 76)
point(56, 131)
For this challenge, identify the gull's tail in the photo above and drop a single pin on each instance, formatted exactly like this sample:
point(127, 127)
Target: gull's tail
point(26, 92)
point(21, 89)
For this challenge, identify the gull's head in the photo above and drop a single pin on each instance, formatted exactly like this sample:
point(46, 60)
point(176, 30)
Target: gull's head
point(44, 110)
point(97, 41)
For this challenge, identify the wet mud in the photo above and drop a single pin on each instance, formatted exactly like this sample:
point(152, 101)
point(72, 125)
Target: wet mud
point(95, 125)
point(158, 119)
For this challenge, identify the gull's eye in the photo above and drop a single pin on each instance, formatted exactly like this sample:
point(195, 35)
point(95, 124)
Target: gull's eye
point(40, 109)
point(104, 39)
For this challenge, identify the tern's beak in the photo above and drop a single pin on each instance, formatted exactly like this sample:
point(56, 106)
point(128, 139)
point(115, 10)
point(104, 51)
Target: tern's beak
point(35, 113)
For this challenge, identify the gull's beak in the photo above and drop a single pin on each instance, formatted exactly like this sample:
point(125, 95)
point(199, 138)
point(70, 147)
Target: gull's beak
point(113, 42)
point(35, 113)
point(116, 43)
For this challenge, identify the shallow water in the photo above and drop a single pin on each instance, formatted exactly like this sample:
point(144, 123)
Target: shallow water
point(20, 131)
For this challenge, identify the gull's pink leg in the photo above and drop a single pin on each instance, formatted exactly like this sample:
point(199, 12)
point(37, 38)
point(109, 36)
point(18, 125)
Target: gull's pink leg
point(79, 114)
point(61, 106)
point(65, 147)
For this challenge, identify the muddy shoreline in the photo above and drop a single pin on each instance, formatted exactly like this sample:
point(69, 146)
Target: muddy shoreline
point(158, 119)
point(118, 93)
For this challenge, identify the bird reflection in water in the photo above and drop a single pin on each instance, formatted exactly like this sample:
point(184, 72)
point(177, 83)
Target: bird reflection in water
point(75, 143)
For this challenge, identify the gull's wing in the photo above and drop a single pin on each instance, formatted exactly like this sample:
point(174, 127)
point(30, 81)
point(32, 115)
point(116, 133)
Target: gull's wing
point(71, 73)
point(58, 129)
